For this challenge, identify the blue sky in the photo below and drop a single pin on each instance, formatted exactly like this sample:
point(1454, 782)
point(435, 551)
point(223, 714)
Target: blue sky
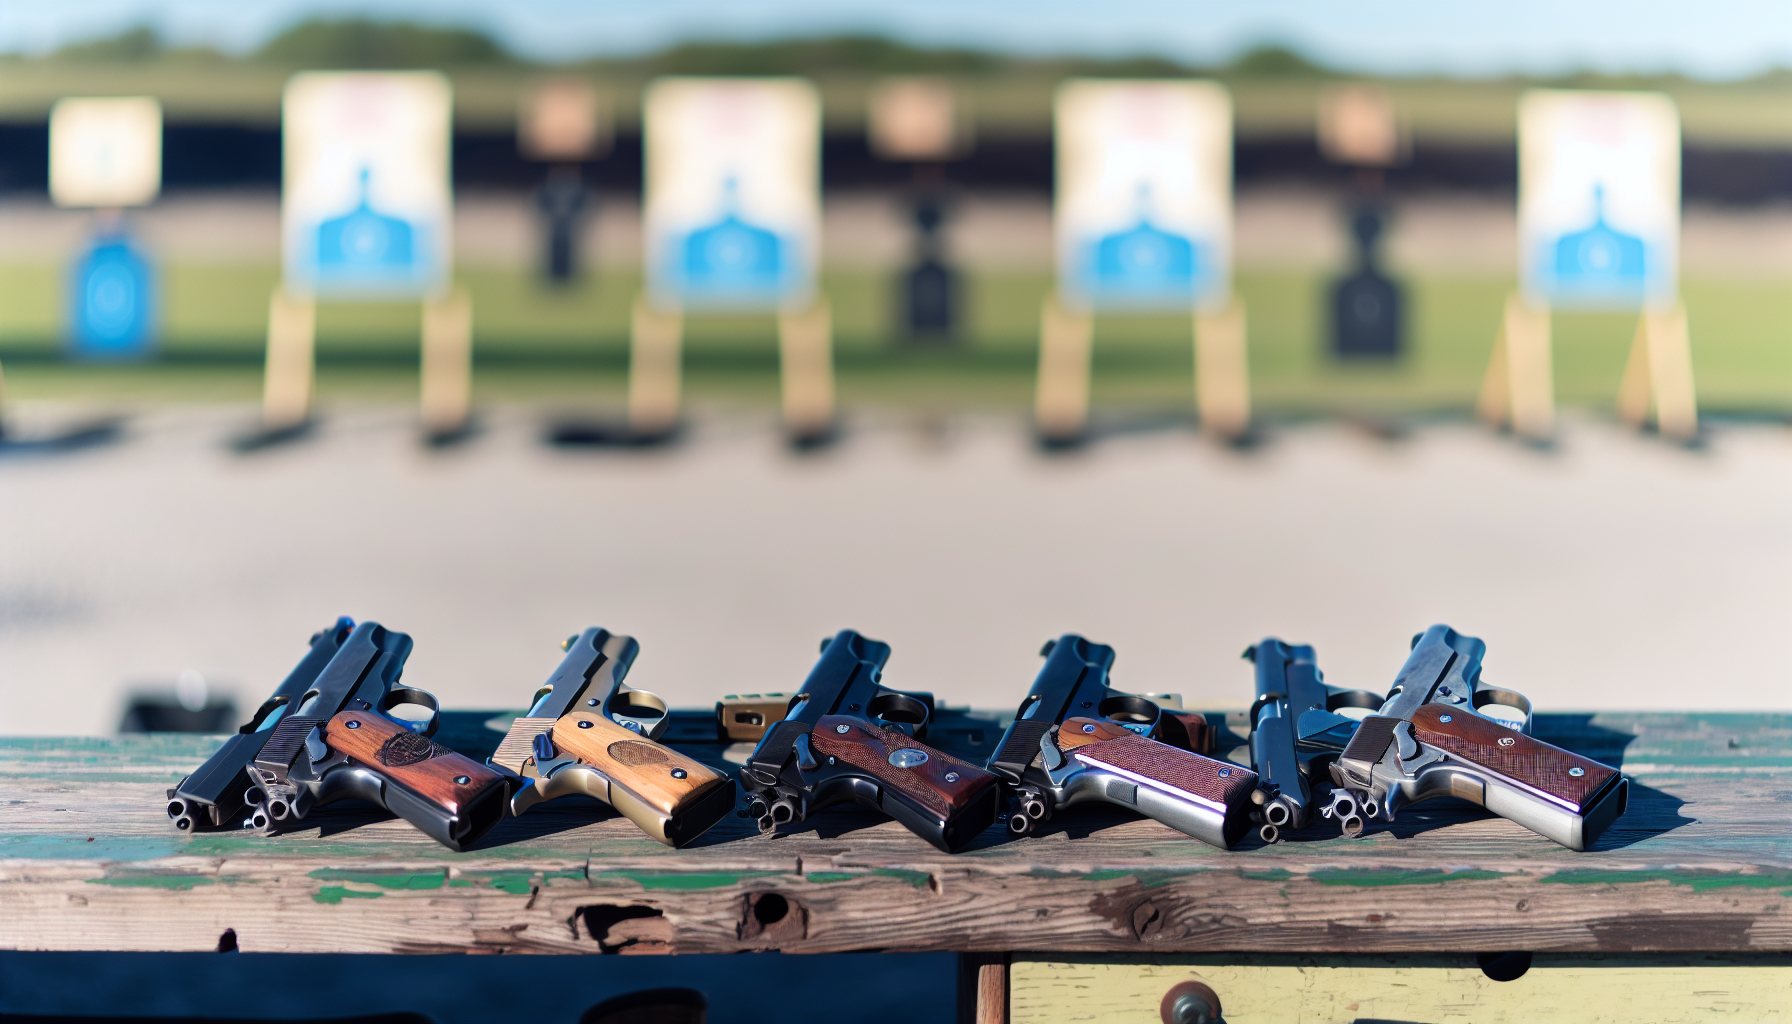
point(1711, 38)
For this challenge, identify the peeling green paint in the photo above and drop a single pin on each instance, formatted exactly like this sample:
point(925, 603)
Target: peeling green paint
point(1272, 875)
point(1371, 877)
point(178, 882)
point(1698, 881)
point(918, 879)
point(336, 893)
point(688, 880)
point(385, 880)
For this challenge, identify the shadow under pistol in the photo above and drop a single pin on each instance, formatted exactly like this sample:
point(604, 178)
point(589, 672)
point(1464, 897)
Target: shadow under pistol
point(846, 737)
point(1075, 739)
point(589, 733)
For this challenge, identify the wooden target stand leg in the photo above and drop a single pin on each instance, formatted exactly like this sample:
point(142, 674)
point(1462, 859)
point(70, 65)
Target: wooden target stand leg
point(447, 368)
point(1061, 398)
point(290, 372)
point(1222, 373)
point(656, 341)
point(806, 356)
point(1518, 391)
point(1659, 373)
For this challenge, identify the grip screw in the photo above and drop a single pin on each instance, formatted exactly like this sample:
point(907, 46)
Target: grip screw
point(353, 723)
point(1443, 718)
point(462, 780)
point(591, 703)
point(1577, 771)
point(842, 728)
point(678, 773)
point(1506, 741)
point(584, 723)
point(951, 776)
point(1225, 773)
point(1089, 728)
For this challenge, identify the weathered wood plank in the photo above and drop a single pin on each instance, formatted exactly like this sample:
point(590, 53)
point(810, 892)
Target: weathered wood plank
point(1702, 861)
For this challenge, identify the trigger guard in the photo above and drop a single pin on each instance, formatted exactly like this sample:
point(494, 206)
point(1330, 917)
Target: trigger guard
point(1485, 695)
point(423, 698)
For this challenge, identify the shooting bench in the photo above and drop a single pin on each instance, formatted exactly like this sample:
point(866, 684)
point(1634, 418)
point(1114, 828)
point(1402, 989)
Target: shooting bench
point(1682, 911)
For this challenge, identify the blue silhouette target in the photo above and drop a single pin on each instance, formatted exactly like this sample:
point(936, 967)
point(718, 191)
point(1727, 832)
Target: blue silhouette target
point(1141, 265)
point(112, 301)
point(732, 261)
point(366, 249)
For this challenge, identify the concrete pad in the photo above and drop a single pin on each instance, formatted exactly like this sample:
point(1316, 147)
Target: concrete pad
point(1614, 573)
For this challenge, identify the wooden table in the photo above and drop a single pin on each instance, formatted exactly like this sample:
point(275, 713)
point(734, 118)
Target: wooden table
point(1701, 863)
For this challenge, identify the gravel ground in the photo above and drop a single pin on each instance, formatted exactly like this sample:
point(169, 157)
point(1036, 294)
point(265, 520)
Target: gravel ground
point(1614, 572)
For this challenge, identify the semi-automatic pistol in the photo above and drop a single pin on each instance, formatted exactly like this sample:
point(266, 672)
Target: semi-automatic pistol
point(1075, 739)
point(334, 739)
point(1428, 740)
point(845, 736)
point(589, 733)
point(1296, 732)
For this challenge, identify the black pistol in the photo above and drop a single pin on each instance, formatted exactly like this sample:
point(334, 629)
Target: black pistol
point(1296, 733)
point(217, 795)
point(847, 737)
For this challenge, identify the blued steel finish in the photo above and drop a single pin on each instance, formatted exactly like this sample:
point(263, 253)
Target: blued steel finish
point(590, 678)
point(294, 770)
point(1040, 779)
point(786, 779)
point(1295, 732)
point(220, 792)
point(1385, 766)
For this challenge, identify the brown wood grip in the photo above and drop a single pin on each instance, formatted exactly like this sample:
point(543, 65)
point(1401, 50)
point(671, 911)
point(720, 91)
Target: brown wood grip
point(868, 748)
point(1080, 732)
point(658, 776)
point(411, 759)
point(1508, 752)
point(1113, 746)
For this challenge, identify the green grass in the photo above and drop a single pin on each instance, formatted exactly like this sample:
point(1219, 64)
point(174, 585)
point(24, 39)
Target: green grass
point(571, 346)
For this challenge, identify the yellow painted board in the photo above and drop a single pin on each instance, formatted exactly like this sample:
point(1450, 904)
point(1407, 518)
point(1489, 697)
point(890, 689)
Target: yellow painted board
point(1582, 988)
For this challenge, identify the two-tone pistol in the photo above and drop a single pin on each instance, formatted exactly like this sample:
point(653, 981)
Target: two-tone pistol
point(845, 736)
point(589, 733)
point(1075, 739)
point(1427, 740)
point(338, 742)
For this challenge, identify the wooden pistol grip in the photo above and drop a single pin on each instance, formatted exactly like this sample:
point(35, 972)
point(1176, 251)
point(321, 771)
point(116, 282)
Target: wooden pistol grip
point(650, 783)
point(452, 782)
point(868, 748)
point(1113, 746)
point(1544, 767)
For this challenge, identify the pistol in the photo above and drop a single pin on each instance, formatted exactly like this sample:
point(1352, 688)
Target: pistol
point(218, 794)
point(845, 736)
point(1428, 740)
point(339, 742)
point(1075, 739)
point(588, 733)
point(1296, 733)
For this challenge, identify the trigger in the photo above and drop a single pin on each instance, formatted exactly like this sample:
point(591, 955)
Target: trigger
point(1054, 758)
point(315, 747)
point(805, 757)
point(543, 748)
point(1409, 747)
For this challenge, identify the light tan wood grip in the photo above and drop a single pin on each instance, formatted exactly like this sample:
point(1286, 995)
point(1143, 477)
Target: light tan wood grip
point(652, 785)
point(449, 780)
